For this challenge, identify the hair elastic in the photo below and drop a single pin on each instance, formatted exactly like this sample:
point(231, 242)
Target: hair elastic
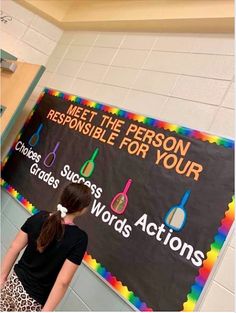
point(62, 209)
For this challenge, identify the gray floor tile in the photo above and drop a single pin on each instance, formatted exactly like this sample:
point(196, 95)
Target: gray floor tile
point(3, 251)
point(15, 213)
point(4, 199)
point(73, 304)
point(8, 232)
point(96, 294)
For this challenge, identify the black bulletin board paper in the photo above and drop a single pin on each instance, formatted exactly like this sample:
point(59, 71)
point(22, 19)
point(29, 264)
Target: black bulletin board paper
point(161, 193)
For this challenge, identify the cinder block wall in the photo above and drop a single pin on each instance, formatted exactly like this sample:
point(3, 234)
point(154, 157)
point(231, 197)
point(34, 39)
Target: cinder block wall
point(180, 78)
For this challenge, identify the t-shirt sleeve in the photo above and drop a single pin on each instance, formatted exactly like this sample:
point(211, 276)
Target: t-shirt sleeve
point(27, 226)
point(77, 252)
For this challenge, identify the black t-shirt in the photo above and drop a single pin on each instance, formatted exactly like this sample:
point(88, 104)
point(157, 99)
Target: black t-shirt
point(38, 271)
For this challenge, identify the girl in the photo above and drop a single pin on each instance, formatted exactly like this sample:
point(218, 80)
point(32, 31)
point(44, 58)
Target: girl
point(55, 247)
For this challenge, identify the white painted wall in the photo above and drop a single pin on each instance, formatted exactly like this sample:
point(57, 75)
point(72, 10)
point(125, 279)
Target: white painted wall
point(180, 78)
point(184, 78)
point(27, 36)
point(31, 39)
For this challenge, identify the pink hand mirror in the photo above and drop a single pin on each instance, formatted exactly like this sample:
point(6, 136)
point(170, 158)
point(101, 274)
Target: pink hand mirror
point(120, 201)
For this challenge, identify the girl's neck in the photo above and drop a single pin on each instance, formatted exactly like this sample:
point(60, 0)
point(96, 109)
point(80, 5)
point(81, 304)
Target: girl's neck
point(69, 219)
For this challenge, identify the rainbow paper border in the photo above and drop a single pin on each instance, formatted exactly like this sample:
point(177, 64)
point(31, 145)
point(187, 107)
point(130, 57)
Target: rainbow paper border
point(16, 195)
point(116, 284)
point(219, 238)
point(212, 256)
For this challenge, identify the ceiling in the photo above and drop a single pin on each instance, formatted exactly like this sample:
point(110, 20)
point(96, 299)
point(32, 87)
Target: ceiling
point(137, 15)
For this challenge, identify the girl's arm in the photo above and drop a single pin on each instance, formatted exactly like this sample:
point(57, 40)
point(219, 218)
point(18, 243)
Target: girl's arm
point(60, 286)
point(17, 245)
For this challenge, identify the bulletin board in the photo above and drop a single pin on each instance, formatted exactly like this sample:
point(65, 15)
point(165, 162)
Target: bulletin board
point(162, 194)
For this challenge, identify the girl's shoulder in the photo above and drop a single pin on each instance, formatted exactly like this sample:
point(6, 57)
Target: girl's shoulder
point(77, 231)
point(34, 221)
point(40, 215)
